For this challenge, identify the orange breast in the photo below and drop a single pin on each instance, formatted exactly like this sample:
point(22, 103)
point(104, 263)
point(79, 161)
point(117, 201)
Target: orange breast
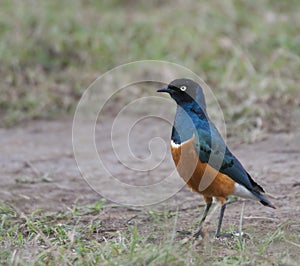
point(200, 177)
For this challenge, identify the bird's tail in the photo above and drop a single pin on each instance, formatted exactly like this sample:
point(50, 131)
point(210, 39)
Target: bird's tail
point(263, 200)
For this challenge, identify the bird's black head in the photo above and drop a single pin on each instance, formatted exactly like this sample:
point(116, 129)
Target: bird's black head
point(185, 91)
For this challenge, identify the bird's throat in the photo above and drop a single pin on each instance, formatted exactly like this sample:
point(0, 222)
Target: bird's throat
point(183, 127)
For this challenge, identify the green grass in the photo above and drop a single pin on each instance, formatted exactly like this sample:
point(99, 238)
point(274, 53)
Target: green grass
point(82, 236)
point(51, 51)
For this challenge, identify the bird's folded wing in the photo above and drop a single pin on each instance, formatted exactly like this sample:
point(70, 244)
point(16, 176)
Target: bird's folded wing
point(213, 150)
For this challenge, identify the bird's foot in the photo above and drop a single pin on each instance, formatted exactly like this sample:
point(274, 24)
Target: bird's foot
point(224, 235)
point(188, 233)
point(228, 235)
point(183, 232)
point(198, 233)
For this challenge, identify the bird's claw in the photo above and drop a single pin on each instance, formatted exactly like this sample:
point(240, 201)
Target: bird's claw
point(183, 232)
point(227, 235)
point(224, 235)
point(198, 233)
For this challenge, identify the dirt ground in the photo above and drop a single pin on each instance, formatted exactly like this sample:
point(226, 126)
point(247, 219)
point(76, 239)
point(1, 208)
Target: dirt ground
point(38, 171)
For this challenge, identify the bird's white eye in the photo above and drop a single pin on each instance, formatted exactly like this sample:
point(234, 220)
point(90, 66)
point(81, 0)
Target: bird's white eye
point(183, 88)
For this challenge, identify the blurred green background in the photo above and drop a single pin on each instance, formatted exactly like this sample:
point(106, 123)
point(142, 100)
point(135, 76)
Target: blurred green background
point(247, 52)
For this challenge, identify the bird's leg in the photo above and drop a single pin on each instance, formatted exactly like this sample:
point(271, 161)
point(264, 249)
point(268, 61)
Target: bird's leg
point(218, 234)
point(199, 232)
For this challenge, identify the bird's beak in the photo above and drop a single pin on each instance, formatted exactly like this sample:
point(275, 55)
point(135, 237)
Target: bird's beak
point(164, 90)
